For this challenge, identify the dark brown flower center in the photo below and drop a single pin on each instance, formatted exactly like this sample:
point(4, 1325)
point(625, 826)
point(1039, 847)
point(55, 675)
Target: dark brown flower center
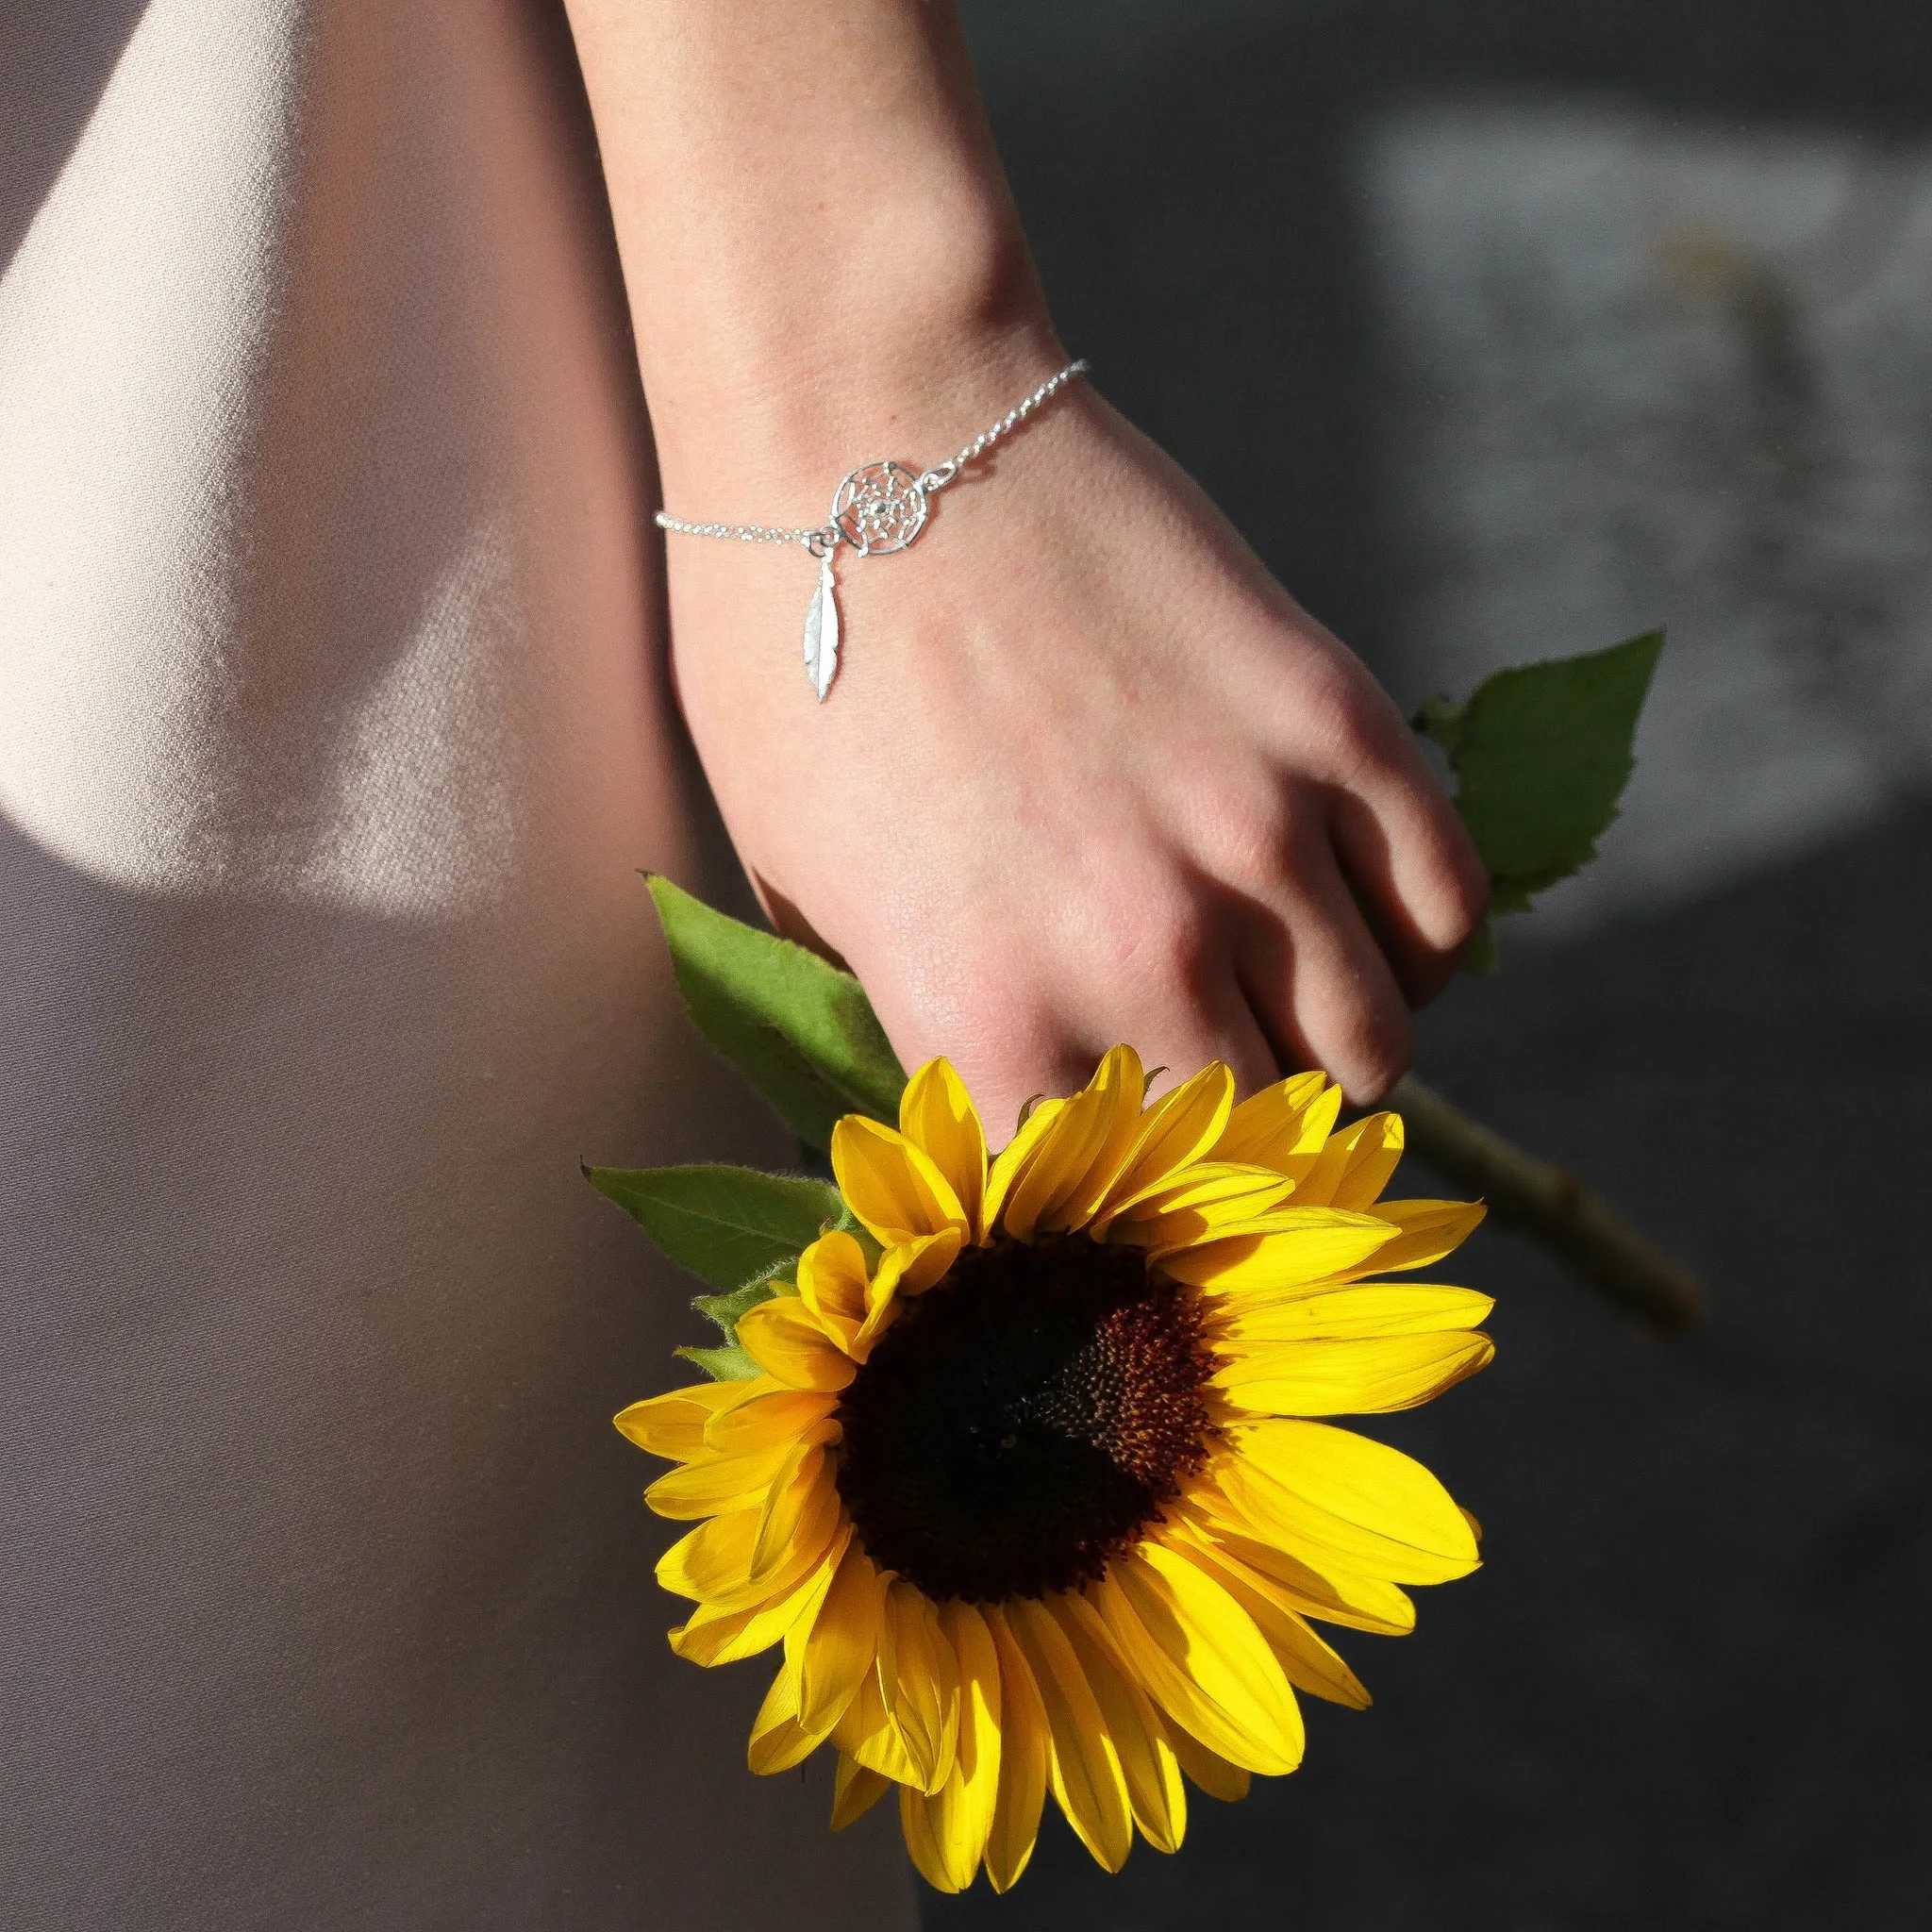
point(1022, 1424)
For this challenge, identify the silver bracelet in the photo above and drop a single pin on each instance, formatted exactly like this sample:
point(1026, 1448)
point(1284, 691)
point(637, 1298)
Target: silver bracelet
point(879, 507)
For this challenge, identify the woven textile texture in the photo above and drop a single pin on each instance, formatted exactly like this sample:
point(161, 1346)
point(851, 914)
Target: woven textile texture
point(332, 734)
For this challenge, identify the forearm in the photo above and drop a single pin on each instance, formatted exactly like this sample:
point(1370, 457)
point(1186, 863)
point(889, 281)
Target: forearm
point(816, 235)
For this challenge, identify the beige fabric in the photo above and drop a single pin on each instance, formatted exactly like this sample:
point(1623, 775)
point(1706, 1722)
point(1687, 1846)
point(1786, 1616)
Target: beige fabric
point(332, 731)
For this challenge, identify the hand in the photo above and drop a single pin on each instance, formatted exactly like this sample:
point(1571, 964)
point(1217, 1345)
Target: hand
point(1087, 774)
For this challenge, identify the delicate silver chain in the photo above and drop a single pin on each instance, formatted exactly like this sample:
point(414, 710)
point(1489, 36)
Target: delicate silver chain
point(941, 474)
point(742, 533)
point(822, 539)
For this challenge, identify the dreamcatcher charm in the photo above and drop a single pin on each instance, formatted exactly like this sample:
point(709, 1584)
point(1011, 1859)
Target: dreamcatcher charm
point(877, 509)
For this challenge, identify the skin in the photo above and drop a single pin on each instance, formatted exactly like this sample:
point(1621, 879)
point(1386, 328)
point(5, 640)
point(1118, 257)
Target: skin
point(1089, 773)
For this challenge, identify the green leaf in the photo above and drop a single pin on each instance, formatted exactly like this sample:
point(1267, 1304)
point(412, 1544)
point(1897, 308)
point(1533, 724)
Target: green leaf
point(724, 1309)
point(729, 1226)
point(1544, 752)
point(800, 1030)
point(722, 1364)
point(733, 1362)
point(1481, 955)
point(1440, 717)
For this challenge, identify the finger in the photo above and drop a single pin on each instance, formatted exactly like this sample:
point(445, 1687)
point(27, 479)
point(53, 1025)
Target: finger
point(1177, 1024)
point(1007, 1066)
point(1010, 1046)
point(1414, 872)
point(1169, 988)
point(1321, 987)
point(1179, 1007)
point(1185, 1033)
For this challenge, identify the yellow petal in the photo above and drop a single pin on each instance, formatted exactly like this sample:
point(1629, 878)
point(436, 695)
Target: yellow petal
point(769, 1415)
point(1306, 1661)
point(803, 1481)
point(1378, 1510)
point(709, 1637)
point(1373, 1160)
point(1356, 1164)
point(1426, 1230)
point(779, 1741)
point(791, 1345)
point(905, 1271)
point(713, 1636)
point(843, 1641)
point(1370, 1377)
point(832, 1286)
point(1153, 1774)
point(1211, 1772)
point(1198, 1203)
point(1060, 1160)
point(919, 1676)
point(712, 1559)
point(892, 1187)
point(936, 1115)
point(1086, 1768)
point(1281, 1250)
point(1354, 1312)
point(712, 1483)
point(1025, 1749)
point(776, 1714)
point(854, 1311)
point(916, 1266)
point(1282, 1126)
point(918, 1826)
point(1016, 1157)
point(855, 1790)
point(673, 1426)
point(1174, 1135)
point(1200, 1656)
point(713, 1562)
point(1315, 1583)
point(962, 1820)
point(1120, 1086)
point(868, 1735)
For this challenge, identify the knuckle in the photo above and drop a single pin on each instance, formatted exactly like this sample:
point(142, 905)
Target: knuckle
point(1339, 728)
point(1180, 940)
point(1242, 823)
point(1161, 931)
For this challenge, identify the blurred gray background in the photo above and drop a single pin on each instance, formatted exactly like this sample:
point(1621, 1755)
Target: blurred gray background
point(1505, 330)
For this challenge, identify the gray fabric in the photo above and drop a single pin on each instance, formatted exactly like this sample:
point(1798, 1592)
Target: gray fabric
point(332, 732)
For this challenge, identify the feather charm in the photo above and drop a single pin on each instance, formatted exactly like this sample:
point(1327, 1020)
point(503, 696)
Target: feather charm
point(821, 632)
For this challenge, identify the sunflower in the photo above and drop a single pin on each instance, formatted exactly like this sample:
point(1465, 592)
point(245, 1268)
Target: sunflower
point(1031, 1486)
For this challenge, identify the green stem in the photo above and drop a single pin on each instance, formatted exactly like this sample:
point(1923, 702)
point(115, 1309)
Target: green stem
point(1552, 1206)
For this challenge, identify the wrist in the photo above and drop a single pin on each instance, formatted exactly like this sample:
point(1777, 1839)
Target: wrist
point(901, 340)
